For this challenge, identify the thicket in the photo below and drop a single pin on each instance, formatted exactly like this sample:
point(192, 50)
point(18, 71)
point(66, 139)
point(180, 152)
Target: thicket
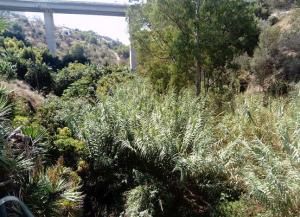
point(110, 142)
point(46, 73)
point(176, 155)
point(276, 60)
point(96, 48)
point(192, 42)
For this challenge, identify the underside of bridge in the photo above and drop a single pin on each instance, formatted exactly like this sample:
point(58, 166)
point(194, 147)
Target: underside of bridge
point(66, 7)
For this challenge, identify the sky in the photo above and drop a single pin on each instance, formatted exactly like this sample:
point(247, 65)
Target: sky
point(113, 27)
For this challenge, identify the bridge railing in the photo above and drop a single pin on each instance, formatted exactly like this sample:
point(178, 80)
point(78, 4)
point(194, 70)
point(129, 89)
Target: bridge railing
point(5, 200)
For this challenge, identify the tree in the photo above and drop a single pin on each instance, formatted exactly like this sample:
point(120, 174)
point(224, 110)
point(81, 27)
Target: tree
point(183, 39)
point(39, 76)
point(76, 54)
point(15, 31)
point(74, 72)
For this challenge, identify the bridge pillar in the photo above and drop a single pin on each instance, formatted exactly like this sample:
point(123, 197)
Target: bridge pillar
point(133, 61)
point(50, 31)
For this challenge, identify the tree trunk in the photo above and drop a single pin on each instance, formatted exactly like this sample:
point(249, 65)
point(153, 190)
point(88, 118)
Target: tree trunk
point(198, 77)
point(198, 56)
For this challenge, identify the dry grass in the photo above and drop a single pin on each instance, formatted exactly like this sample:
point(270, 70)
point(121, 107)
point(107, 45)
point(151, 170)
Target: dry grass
point(253, 86)
point(24, 91)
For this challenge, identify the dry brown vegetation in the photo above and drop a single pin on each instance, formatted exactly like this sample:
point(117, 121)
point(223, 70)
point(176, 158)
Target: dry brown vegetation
point(23, 91)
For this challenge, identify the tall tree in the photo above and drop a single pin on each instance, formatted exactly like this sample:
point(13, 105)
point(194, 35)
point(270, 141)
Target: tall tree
point(177, 40)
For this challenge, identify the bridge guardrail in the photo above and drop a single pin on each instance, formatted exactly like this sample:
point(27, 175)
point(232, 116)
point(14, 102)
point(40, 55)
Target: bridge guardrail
point(3, 201)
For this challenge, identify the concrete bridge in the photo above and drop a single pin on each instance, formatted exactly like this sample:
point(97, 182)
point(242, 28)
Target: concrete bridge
point(48, 7)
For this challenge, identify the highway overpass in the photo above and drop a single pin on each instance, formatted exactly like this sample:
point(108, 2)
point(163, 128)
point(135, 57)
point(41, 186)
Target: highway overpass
point(48, 7)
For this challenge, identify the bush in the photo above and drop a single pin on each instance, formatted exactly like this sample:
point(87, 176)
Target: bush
point(7, 70)
point(71, 149)
point(70, 74)
point(47, 114)
point(83, 87)
point(179, 143)
point(39, 76)
point(132, 129)
point(278, 56)
point(108, 83)
point(20, 121)
point(53, 61)
point(54, 193)
point(15, 31)
point(76, 54)
point(142, 201)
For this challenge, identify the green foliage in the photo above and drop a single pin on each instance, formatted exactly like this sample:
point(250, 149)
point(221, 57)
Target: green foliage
point(64, 140)
point(262, 135)
point(70, 74)
point(140, 201)
point(20, 121)
point(177, 40)
point(54, 193)
point(78, 80)
point(39, 76)
point(47, 116)
point(108, 83)
point(14, 31)
point(187, 146)
point(5, 110)
point(7, 70)
point(83, 87)
point(276, 60)
point(76, 54)
point(123, 51)
point(28, 64)
point(162, 135)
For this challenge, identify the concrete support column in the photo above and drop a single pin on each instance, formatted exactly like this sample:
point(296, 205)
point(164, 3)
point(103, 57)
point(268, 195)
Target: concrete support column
point(50, 31)
point(133, 61)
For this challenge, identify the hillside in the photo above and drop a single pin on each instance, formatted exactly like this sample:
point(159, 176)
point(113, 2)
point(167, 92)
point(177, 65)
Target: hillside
point(208, 125)
point(276, 60)
point(98, 49)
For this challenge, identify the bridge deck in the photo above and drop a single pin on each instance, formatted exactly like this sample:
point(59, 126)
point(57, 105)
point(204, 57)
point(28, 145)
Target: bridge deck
point(65, 7)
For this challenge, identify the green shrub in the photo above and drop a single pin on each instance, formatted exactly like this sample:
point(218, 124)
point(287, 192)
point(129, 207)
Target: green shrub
point(65, 142)
point(133, 129)
point(277, 58)
point(47, 114)
point(70, 74)
point(21, 107)
point(39, 76)
point(83, 87)
point(7, 70)
point(141, 201)
point(15, 31)
point(75, 54)
point(20, 121)
point(54, 193)
point(108, 83)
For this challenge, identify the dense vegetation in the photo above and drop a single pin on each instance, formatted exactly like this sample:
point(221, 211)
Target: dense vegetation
point(207, 126)
point(97, 49)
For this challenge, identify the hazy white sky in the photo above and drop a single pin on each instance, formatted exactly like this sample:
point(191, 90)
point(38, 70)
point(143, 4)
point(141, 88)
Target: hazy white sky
point(113, 27)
